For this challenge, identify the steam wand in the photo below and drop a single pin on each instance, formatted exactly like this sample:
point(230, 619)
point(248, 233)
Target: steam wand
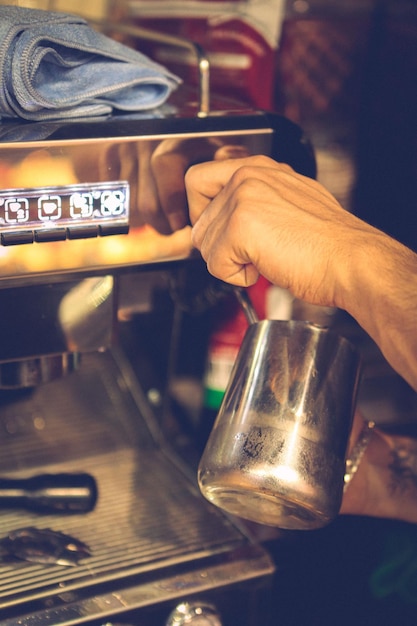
point(246, 304)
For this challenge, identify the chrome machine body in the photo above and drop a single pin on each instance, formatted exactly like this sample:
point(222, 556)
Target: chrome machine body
point(79, 252)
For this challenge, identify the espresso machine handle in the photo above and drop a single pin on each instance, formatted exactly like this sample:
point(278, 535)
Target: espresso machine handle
point(50, 493)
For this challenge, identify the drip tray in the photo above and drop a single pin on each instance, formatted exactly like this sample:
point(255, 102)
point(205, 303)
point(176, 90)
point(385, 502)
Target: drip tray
point(151, 534)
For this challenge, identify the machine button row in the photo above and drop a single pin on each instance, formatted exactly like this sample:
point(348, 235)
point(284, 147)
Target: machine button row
point(60, 234)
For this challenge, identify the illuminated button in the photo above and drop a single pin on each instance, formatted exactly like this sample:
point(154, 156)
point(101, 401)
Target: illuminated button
point(114, 229)
point(50, 234)
point(16, 238)
point(49, 208)
point(81, 205)
point(112, 202)
point(16, 210)
point(82, 232)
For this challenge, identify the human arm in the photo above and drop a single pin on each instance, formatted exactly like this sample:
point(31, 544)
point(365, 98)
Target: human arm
point(254, 216)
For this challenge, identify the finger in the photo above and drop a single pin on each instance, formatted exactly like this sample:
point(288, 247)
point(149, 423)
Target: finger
point(225, 254)
point(204, 181)
point(224, 264)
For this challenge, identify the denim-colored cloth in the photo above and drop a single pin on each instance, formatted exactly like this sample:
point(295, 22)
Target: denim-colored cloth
point(55, 66)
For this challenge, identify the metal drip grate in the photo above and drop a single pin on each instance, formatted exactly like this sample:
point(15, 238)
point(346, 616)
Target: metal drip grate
point(148, 515)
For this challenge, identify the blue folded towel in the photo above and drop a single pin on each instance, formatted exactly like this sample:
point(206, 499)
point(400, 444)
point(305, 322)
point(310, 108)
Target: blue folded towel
point(55, 66)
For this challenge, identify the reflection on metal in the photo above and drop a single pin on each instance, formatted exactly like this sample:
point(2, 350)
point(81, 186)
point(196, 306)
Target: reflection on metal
point(168, 544)
point(44, 327)
point(33, 372)
point(86, 314)
point(141, 160)
point(198, 613)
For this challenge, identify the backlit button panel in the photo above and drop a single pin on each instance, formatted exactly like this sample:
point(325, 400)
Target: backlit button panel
point(67, 212)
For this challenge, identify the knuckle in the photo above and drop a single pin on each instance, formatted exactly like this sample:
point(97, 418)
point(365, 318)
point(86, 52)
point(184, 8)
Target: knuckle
point(262, 160)
point(190, 176)
point(241, 176)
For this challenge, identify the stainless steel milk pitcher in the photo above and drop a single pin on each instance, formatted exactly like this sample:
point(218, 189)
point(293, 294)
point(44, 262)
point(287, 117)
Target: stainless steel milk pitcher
point(276, 454)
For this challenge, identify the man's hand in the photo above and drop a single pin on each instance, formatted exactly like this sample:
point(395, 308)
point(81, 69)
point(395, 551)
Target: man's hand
point(255, 216)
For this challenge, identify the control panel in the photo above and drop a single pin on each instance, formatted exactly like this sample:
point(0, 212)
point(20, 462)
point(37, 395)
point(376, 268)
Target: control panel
point(64, 212)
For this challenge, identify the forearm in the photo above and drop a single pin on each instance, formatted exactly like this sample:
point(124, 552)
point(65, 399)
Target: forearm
point(380, 292)
point(255, 216)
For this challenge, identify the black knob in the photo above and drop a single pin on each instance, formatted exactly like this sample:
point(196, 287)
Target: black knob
point(50, 493)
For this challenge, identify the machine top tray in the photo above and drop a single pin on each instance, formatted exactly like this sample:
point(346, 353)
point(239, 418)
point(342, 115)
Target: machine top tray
point(149, 522)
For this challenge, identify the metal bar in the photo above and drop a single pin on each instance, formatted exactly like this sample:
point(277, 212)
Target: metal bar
point(203, 63)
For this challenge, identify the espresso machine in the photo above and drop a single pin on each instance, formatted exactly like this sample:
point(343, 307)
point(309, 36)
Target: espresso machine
point(85, 255)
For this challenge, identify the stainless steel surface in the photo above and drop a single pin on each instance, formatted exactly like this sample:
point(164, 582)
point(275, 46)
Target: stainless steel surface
point(35, 371)
point(276, 454)
point(194, 613)
point(57, 291)
point(136, 151)
point(139, 159)
point(155, 542)
point(47, 326)
point(151, 534)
